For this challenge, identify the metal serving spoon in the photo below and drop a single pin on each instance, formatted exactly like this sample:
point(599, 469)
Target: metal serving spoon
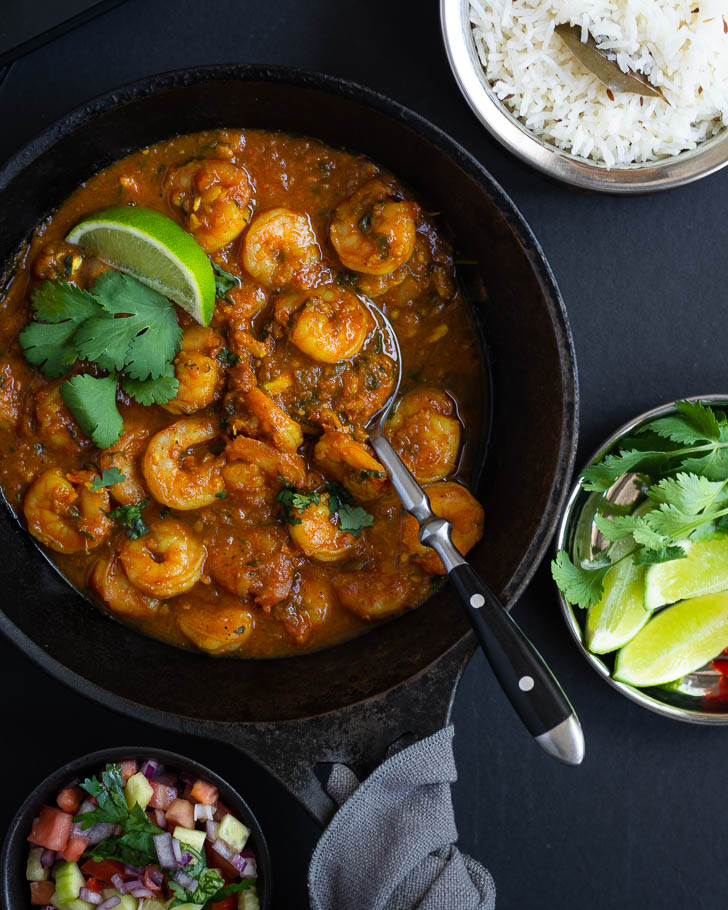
point(523, 674)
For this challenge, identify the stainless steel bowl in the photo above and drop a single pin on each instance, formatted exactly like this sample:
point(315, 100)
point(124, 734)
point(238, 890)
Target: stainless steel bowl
point(518, 139)
point(694, 699)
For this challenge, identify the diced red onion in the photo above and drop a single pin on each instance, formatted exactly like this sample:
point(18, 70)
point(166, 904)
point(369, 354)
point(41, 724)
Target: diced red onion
point(155, 876)
point(99, 832)
point(240, 862)
point(164, 845)
point(211, 829)
point(248, 853)
point(160, 818)
point(176, 851)
point(47, 858)
point(76, 829)
point(86, 806)
point(187, 882)
point(186, 859)
point(110, 903)
point(149, 768)
point(140, 892)
point(118, 882)
point(246, 867)
point(93, 897)
point(205, 812)
point(222, 849)
point(132, 870)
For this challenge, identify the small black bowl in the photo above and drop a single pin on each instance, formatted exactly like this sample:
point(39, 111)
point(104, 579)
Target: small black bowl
point(13, 886)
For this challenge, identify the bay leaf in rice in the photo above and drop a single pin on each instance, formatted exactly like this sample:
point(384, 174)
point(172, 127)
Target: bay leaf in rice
point(607, 71)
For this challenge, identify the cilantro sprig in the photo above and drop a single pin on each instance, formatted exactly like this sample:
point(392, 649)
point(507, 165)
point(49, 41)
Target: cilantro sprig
point(109, 477)
point(349, 517)
point(683, 460)
point(125, 328)
point(131, 517)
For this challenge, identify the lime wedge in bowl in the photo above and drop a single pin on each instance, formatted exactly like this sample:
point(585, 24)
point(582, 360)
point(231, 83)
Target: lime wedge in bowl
point(620, 614)
point(703, 571)
point(155, 250)
point(675, 642)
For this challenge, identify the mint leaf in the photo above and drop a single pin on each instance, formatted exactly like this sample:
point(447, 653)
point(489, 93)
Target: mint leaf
point(109, 477)
point(92, 402)
point(581, 586)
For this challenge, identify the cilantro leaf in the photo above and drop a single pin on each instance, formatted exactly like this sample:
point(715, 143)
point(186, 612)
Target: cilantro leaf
point(687, 492)
point(637, 526)
point(92, 401)
point(645, 557)
point(353, 518)
point(61, 308)
point(147, 335)
point(226, 358)
point(601, 476)
point(291, 500)
point(232, 888)
point(580, 585)
point(109, 477)
point(702, 418)
point(224, 281)
point(131, 516)
point(152, 391)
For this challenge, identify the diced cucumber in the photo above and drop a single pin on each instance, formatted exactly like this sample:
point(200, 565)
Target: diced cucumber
point(248, 900)
point(127, 901)
point(138, 790)
point(150, 904)
point(69, 882)
point(34, 870)
point(194, 839)
point(76, 904)
point(188, 907)
point(233, 832)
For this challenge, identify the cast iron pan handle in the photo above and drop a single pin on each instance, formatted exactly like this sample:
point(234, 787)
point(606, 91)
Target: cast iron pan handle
point(523, 674)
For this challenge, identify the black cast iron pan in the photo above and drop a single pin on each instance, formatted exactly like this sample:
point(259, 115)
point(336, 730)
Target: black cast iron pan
point(349, 702)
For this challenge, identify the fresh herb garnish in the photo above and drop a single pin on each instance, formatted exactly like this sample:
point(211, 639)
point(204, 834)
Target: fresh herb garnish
point(109, 477)
point(131, 516)
point(685, 460)
point(122, 326)
point(224, 281)
point(351, 518)
point(226, 358)
point(291, 500)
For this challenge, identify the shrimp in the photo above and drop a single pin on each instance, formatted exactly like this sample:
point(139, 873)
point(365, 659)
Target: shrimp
point(255, 562)
point(124, 456)
point(174, 475)
point(165, 562)
point(218, 626)
point(454, 502)
point(310, 604)
point(216, 198)
point(348, 461)
point(198, 371)
point(64, 514)
point(371, 595)
point(373, 231)
point(14, 379)
point(55, 422)
point(254, 468)
point(280, 249)
point(265, 418)
point(316, 534)
point(425, 432)
point(329, 324)
point(110, 582)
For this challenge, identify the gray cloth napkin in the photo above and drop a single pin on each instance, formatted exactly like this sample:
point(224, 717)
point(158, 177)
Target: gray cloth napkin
point(391, 844)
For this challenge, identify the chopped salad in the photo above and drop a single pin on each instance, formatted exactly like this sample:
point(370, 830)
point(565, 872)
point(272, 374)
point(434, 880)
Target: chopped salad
point(140, 838)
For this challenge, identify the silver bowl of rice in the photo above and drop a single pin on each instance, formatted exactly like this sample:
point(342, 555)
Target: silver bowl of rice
point(542, 104)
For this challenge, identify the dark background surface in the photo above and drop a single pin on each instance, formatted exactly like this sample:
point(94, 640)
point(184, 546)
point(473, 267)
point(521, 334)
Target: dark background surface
point(639, 824)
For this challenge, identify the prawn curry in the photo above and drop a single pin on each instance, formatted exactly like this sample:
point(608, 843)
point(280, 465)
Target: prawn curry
point(246, 514)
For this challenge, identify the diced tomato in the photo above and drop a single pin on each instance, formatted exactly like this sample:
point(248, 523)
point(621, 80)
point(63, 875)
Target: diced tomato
point(102, 869)
point(128, 769)
point(181, 813)
point(41, 893)
point(94, 884)
point(69, 799)
point(51, 829)
point(204, 793)
point(215, 861)
point(228, 903)
point(148, 881)
point(221, 810)
point(163, 796)
point(77, 843)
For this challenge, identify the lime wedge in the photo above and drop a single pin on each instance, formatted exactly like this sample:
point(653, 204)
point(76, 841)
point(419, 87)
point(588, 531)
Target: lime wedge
point(675, 642)
point(704, 571)
point(155, 250)
point(620, 614)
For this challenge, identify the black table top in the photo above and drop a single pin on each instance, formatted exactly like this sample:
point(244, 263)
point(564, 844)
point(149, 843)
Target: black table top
point(644, 280)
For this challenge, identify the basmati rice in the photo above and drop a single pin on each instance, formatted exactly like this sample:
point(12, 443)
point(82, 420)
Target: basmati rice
point(680, 45)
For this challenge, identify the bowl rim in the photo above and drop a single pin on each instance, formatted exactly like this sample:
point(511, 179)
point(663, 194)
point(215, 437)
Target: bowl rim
point(20, 824)
point(668, 173)
point(638, 696)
